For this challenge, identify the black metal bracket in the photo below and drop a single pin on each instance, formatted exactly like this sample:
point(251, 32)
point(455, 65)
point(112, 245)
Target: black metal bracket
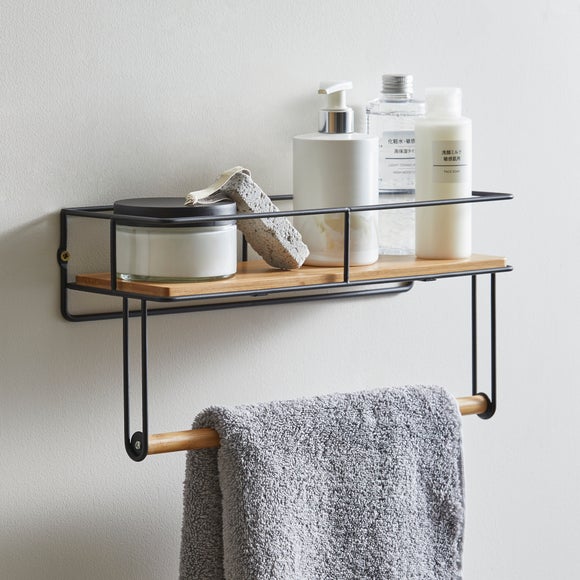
point(217, 301)
point(345, 289)
point(491, 398)
point(136, 444)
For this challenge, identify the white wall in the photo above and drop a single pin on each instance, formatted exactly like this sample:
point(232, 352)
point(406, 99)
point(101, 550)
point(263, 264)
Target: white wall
point(103, 100)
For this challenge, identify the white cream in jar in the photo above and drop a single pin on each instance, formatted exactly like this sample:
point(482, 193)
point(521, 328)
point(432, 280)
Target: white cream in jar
point(175, 249)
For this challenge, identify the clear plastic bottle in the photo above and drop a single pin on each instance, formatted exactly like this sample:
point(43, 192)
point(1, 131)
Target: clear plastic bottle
point(391, 117)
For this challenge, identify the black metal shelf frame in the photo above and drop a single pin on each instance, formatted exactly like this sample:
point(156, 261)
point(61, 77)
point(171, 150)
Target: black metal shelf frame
point(136, 444)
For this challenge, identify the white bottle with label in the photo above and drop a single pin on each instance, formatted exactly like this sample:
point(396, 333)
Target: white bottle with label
point(443, 171)
point(336, 167)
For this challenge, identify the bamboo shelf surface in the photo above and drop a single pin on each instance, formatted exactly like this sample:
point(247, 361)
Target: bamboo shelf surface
point(257, 275)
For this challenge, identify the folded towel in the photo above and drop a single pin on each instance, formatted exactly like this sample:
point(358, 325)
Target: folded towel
point(344, 486)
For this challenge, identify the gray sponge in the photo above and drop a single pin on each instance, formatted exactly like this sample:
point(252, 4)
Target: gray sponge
point(274, 239)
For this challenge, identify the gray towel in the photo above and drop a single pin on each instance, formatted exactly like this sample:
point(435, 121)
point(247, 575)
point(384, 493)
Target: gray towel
point(345, 486)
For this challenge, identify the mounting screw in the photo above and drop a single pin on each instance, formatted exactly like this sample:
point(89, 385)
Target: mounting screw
point(137, 445)
point(64, 256)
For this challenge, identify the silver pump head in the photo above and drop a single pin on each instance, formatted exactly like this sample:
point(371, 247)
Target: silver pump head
point(336, 117)
point(400, 84)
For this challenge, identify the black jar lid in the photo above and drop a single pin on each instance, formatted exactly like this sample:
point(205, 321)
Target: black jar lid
point(172, 212)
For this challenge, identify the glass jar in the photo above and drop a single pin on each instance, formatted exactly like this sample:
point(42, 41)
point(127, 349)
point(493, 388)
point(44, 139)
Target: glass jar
point(171, 250)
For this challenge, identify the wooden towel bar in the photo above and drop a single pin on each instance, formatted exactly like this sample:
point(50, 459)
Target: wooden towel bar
point(208, 438)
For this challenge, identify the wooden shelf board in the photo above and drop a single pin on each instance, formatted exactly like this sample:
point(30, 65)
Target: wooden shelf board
point(257, 275)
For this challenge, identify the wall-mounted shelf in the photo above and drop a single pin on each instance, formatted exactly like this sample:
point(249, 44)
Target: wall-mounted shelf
point(256, 275)
point(256, 283)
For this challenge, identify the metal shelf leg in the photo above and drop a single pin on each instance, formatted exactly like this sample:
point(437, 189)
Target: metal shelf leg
point(136, 445)
point(492, 397)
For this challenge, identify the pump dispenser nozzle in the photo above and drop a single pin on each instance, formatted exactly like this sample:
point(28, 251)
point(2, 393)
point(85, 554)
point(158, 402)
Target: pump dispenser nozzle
point(336, 117)
point(336, 167)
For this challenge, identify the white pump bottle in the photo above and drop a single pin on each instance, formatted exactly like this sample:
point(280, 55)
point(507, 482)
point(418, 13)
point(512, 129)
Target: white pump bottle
point(336, 167)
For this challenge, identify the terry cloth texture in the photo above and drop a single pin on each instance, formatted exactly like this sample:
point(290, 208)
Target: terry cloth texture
point(355, 486)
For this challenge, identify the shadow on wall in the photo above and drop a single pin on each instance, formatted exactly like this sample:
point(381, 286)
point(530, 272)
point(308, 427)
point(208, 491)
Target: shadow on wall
point(28, 258)
point(28, 287)
point(28, 261)
point(65, 547)
point(23, 251)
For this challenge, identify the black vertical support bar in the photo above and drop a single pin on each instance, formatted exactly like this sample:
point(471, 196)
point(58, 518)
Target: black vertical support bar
point(244, 249)
point(135, 445)
point(62, 259)
point(346, 275)
point(126, 401)
point(144, 408)
point(492, 408)
point(473, 335)
point(113, 255)
point(491, 400)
